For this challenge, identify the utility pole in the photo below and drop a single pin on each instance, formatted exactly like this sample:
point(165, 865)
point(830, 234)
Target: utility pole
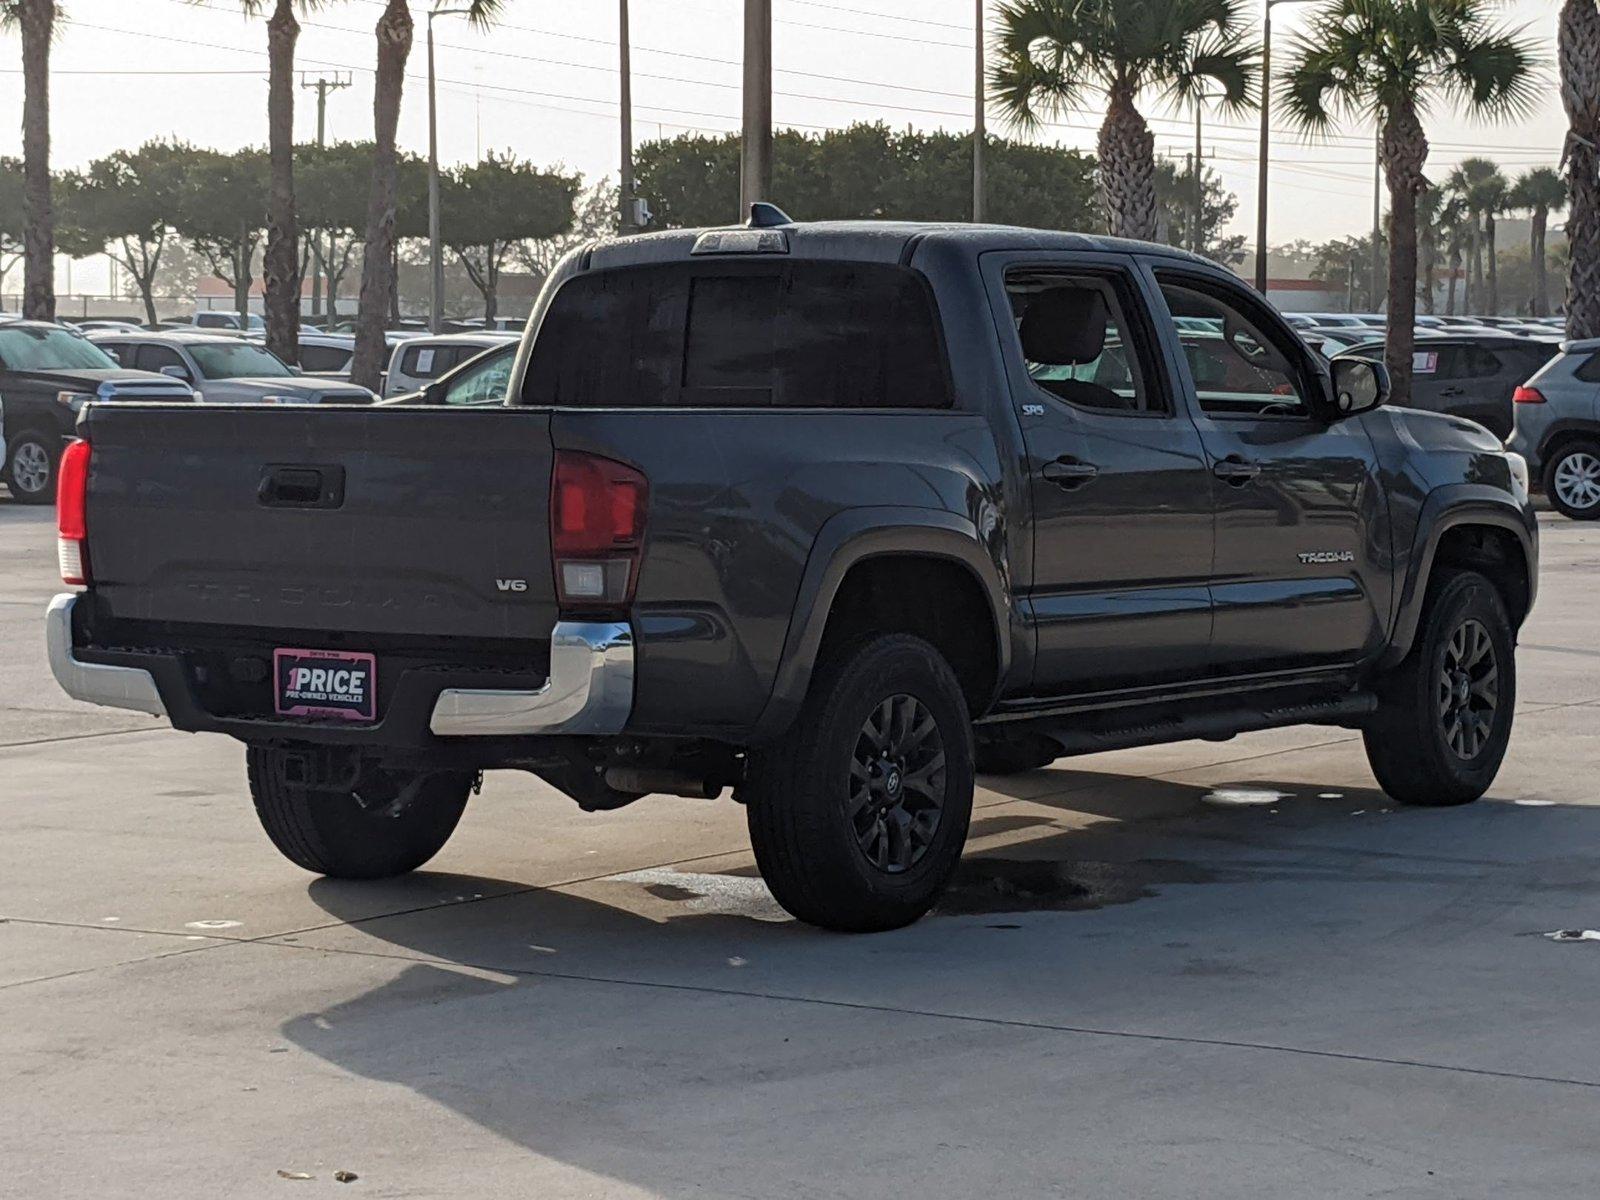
point(1373, 293)
point(1266, 141)
point(625, 218)
point(322, 85)
point(755, 166)
point(979, 122)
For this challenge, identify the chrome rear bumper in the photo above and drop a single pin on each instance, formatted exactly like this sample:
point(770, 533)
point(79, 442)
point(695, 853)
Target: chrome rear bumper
point(590, 690)
point(112, 687)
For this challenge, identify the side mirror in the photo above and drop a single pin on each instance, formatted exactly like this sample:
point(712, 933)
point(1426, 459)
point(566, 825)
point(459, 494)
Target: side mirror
point(175, 372)
point(1359, 385)
point(434, 393)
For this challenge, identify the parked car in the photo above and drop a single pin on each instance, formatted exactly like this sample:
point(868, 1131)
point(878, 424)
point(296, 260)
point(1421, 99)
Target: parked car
point(497, 324)
point(832, 515)
point(1558, 428)
point(225, 369)
point(478, 381)
point(103, 324)
point(228, 320)
point(1472, 376)
point(417, 362)
point(326, 355)
point(1325, 320)
point(47, 375)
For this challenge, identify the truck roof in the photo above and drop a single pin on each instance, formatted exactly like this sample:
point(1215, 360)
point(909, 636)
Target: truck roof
point(882, 241)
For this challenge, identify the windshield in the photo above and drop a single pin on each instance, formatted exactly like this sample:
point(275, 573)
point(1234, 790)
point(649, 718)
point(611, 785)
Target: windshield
point(38, 348)
point(236, 360)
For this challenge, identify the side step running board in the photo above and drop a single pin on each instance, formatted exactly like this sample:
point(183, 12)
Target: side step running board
point(1117, 732)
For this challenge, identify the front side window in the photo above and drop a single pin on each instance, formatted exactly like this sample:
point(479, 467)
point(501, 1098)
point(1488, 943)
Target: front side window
point(1078, 342)
point(47, 348)
point(727, 334)
point(1239, 368)
point(484, 380)
point(236, 360)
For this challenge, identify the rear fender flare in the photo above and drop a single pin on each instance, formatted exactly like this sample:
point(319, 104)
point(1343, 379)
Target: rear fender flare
point(852, 537)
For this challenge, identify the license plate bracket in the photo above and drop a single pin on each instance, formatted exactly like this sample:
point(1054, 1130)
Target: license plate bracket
point(338, 685)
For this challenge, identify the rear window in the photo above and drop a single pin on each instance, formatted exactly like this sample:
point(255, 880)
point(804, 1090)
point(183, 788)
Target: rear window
point(759, 335)
point(1589, 372)
point(324, 358)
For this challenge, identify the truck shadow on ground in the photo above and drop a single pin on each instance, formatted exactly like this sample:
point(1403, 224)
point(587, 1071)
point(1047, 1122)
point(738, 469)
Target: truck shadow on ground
point(656, 1027)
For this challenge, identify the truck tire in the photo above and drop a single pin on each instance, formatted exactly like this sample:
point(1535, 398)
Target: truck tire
point(30, 467)
point(1572, 480)
point(858, 815)
point(1444, 714)
point(333, 833)
point(1014, 755)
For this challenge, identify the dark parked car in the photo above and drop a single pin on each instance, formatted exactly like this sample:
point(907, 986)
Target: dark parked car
point(47, 374)
point(834, 515)
point(1472, 376)
point(1558, 428)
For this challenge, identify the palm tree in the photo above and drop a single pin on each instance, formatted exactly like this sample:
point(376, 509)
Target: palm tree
point(1579, 42)
point(378, 273)
point(1395, 58)
point(1457, 229)
point(36, 19)
point(281, 264)
point(1050, 52)
point(1486, 192)
point(1539, 191)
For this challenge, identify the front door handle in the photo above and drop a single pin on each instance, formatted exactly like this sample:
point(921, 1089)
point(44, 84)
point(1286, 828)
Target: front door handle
point(1068, 473)
point(1236, 471)
point(1454, 391)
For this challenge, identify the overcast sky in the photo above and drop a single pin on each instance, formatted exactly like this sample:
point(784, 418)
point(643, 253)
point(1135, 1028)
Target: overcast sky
point(543, 84)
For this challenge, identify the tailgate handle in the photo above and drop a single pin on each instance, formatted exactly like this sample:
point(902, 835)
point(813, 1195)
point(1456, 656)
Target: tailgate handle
point(301, 486)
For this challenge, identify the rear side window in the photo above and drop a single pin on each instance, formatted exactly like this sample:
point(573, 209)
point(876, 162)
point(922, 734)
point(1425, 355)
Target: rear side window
point(428, 362)
point(1589, 372)
point(324, 358)
point(737, 335)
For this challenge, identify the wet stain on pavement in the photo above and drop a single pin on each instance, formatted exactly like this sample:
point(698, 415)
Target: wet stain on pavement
point(1004, 885)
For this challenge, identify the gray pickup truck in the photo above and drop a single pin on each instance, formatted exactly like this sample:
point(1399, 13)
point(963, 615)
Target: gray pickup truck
point(832, 515)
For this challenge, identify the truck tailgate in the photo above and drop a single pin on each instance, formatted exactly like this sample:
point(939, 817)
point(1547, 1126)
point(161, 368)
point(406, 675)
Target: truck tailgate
point(404, 521)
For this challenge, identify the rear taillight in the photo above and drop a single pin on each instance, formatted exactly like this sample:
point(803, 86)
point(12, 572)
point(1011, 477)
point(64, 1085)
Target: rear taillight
point(1527, 395)
point(597, 514)
point(72, 490)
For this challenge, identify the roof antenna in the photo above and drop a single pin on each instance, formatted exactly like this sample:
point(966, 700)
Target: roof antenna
point(767, 216)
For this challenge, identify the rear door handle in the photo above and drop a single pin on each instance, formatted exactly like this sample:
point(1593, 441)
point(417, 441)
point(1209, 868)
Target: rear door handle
point(1236, 471)
point(1454, 391)
point(1068, 473)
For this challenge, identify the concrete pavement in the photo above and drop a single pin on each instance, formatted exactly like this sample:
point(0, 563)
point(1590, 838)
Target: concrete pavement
point(1131, 992)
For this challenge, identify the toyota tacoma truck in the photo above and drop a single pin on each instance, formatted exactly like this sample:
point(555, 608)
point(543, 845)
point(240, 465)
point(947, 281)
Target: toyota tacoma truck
point(832, 516)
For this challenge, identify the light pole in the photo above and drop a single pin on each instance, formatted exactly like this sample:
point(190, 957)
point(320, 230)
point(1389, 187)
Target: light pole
point(755, 173)
point(435, 257)
point(626, 220)
point(979, 123)
point(1266, 141)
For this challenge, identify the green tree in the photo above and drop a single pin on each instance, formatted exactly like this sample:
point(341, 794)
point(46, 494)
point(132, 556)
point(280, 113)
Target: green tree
point(380, 260)
point(1049, 54)
point(594, 217)
point(122, 205)
point(488, 208)
point(1395, 58)
point(222, 213)
point(36, 21)
point(1539, 192)
point(11, 223)
point(1578, 40)
point(868, 171)
point(1175, 212)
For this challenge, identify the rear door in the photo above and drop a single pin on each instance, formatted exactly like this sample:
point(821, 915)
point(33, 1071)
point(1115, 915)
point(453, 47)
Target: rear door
point(396, 521)
point(1122, 535)
point(1301, 576)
